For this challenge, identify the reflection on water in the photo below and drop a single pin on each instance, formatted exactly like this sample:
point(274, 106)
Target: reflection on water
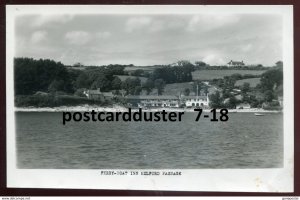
point(244, 141)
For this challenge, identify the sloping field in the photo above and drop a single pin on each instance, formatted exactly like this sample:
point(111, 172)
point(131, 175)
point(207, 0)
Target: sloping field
point(145, 68)
point(176, 88)
point(212, 74)
point(253, 82)
point(124, 77)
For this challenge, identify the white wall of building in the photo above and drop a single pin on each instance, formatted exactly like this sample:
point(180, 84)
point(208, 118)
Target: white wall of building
point(195, 101)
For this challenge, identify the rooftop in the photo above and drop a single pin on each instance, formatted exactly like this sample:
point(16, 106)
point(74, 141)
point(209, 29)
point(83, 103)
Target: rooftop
point(94, 92)
point(194, 97)
point(151, 97)
point(236, 62)
point(108, 94)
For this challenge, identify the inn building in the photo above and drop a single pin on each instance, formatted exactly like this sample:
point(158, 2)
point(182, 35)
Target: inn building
point(195, 101)
point(168, 101)
point(154, 101)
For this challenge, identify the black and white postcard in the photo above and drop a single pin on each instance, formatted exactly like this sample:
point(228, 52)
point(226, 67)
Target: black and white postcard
point(177, 98)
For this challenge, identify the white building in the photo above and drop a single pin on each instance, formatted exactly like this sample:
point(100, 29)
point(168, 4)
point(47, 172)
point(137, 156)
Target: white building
point(243, 106)
point(195, 101)
point(154, 101)
point(236, 63)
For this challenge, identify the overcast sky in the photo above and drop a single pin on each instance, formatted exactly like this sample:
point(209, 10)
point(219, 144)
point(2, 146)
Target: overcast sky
point(150, 39)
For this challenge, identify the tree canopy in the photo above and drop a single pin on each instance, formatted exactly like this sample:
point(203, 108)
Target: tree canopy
point(40, 75)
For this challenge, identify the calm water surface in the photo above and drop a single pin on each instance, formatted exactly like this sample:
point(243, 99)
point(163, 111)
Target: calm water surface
point(244, 141)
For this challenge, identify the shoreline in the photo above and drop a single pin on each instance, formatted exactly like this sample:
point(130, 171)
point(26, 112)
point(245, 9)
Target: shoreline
point(86, 108)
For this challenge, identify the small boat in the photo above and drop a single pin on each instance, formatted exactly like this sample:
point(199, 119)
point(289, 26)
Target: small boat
point(259, 114)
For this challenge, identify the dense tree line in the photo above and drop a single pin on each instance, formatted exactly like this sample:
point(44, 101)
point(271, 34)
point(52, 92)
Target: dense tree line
point(46, 75)
point(176, 74)
point(271, 79)
point(271, 84)
point(265, 93)
point(32, 75)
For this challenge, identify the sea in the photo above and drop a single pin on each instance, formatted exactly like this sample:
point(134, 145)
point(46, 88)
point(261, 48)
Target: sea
point(244, 141)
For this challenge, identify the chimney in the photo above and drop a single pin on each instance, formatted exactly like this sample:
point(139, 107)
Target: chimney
point(99, 89)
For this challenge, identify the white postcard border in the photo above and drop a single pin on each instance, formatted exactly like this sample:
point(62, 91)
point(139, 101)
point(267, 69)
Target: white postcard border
point(235, 180)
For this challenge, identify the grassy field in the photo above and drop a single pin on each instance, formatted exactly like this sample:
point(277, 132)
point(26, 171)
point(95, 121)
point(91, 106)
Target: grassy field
point(176, 88)
point(147, 68)
point(253, 82)
point(124, 77)
point(212, 74)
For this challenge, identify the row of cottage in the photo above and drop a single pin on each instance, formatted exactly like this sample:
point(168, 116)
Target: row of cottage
point(153, 101)
point(168, 101)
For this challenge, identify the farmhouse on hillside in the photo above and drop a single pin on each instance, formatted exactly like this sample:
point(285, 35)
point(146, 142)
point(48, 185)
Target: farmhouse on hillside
point(235, 63)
